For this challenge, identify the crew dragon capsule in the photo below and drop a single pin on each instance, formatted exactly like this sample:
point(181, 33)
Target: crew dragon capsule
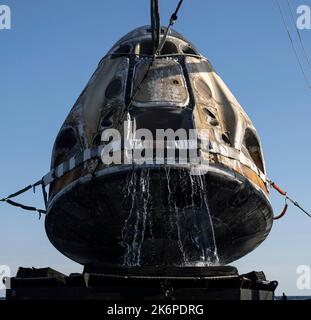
point(152, 215)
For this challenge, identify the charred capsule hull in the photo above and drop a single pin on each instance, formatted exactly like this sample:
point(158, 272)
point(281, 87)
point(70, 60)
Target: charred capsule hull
point(93, 220)
point(98, 214)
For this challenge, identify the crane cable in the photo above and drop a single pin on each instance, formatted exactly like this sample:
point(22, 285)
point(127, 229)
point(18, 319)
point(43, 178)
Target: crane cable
point(293, 46)
point(299, 34)
point(287, 198)
point(155, 24)
point(173, 20)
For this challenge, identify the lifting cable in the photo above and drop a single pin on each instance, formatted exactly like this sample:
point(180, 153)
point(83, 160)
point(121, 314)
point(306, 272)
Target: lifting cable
point(173, 19)
point(155, 24)
point(287, 198)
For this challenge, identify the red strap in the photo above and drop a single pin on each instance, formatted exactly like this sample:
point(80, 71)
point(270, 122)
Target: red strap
point(277, 188)
point(282, 213)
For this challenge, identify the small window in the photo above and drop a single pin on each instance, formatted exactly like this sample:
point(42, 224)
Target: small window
point(146, 48)
point(189, 50)
point(60, 159)
point(169, 48)
point(66, 139)
point(123, 49)
point(253, 147)
point(66, 143)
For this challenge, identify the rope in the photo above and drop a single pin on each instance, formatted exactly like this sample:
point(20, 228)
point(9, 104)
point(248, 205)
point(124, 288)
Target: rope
point(287, 198)
point(173, 20)
point(25, 207)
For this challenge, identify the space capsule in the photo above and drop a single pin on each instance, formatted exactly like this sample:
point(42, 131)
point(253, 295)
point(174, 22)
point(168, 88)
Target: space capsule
point(150, 215)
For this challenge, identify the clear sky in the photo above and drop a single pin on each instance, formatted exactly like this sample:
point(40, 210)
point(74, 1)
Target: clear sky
point(51, 52)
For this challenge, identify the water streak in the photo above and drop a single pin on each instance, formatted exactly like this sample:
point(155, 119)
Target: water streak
point(190, 220)
point(133, 232)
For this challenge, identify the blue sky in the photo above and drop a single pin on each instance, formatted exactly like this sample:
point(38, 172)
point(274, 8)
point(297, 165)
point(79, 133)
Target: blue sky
point(54, 47)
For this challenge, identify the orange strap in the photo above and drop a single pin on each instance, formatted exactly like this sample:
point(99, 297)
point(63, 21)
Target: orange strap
point(278, 189)
point(283, 193)
point(282, 214)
